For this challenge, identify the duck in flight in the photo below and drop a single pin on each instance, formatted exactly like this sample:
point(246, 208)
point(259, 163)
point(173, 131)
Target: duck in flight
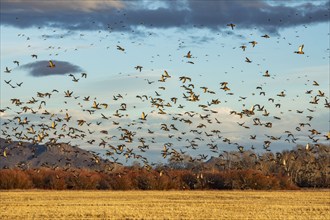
point(253, 43)
point(231, 25)
point(7, 70)
point(138, 68)
point(266, 74)
point(243, 47)
point(143, 116)
point(300, 50)
point(120, 48)
point(166, 74)
point(51, 64)
point(188, 55)
point(16, 62)
point(248, 60)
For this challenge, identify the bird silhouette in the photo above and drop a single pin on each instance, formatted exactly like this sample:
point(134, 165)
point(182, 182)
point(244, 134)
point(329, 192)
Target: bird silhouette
point(231, 25)
point(120, 48)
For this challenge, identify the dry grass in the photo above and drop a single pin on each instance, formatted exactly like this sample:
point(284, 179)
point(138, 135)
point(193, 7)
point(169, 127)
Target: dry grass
point(164, 205)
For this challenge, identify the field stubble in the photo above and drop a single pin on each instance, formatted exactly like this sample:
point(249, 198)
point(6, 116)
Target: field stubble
point(165, 205)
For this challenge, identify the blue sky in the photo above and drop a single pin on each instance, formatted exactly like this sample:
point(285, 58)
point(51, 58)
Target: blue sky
point(82, 36)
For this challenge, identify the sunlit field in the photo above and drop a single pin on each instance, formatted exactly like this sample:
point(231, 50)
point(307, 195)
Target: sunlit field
point(165, 205)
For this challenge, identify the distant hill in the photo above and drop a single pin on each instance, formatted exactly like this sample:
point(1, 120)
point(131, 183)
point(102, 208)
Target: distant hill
point(26, 156)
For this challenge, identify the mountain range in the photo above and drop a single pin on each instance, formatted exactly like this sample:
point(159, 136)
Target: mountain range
point(24, 155)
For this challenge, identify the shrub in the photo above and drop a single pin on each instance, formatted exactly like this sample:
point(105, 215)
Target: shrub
point(14, 179)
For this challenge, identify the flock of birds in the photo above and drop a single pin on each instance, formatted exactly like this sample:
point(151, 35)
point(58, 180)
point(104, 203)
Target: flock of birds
point(169, 122)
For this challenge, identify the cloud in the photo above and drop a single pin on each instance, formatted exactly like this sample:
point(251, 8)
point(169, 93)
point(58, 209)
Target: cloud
point(127, 15)
point(40, 68)
point(50, 5)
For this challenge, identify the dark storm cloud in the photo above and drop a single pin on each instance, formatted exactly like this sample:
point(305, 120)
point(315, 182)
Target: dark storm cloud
point(41, 68)
point(207, 14)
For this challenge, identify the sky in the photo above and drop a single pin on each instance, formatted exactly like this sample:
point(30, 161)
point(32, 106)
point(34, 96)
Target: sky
point(107, 40)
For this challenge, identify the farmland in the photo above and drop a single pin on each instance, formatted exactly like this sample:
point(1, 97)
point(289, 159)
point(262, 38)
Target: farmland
point(36, 204)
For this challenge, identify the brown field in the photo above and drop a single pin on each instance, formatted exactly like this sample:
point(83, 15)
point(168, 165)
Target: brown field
point(165, 205)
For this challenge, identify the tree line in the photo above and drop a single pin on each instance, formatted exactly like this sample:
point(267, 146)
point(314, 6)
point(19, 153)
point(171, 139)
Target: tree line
point(289, 169)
